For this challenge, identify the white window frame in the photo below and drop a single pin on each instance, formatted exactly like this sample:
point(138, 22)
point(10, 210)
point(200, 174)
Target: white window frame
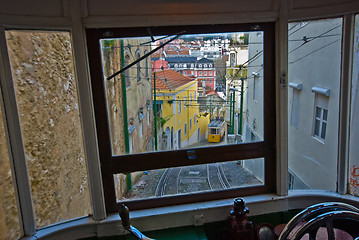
point(322, 122)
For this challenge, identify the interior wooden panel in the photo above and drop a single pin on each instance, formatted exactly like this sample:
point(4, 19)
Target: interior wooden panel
point(319, 3)
point(39, 8)
point(113, 7)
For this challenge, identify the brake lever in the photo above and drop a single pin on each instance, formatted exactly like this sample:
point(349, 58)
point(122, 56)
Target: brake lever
point(124, 213)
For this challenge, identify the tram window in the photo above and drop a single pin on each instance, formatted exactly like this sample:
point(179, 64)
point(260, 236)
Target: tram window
point(120, 114)
point(321, 57)
point(213, 131)
point(50, 122)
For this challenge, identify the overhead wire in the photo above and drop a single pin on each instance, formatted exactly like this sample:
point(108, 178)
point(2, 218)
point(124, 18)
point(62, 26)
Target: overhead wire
point(307, 40)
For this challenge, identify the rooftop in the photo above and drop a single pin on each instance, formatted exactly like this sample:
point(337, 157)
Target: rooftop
point(170, 80)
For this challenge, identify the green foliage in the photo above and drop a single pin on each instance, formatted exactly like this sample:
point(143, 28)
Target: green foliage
point(109, 43)
point(161, 121)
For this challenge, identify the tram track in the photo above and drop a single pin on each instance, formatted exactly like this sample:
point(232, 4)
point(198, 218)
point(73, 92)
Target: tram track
point(168, 183)
point(216, 177)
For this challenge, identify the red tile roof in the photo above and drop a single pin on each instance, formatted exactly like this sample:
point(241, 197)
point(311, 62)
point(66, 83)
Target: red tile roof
point(184, 52)
point(170, 80)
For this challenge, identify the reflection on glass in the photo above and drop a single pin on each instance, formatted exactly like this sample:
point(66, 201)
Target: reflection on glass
point(46, 94)
point(191, 179)
point(196, 95)
point(314, 65)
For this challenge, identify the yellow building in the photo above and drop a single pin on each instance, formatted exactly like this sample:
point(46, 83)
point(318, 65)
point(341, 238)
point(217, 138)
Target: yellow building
point(176, 97)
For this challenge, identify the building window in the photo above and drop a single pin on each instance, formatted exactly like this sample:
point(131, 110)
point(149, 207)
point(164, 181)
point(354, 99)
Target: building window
point(138, 65)
point(130, 143)
point(147, 67)
point(179, 106)
point(200, 73)
point(320, 122)
point(295, 112)
point(210, 73)
point(185, 103)
point(194, 119)
point(232, 59)
point(190, 98)
point(127, 72)
point(185, 129)
point(190, 123)
point(205, 73)
point(255, 86)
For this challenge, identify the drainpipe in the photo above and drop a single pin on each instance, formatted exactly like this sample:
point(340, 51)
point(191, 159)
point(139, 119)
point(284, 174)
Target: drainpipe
point(230, 112)
point(125, 121)
point(210, 108)
point(241, 109)
point(188, 117)
point(155, 108)
point(233, 107)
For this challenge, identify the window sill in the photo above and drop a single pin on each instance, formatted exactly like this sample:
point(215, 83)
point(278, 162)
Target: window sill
point(183, 215)
point(321, 140)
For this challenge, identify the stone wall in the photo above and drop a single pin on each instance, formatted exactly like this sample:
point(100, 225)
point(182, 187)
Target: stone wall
point(9, 221)
point(46, 92)
point(115, 54)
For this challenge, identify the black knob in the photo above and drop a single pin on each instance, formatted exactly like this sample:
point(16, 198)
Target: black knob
point(125, 216)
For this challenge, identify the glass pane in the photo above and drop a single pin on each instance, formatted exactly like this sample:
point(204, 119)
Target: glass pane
point(324, 128)
point(9, 220)
point(316, 127)
point(314, 60)
point(191, 76)
point(325, 114)
point(353, 177)
point(191, 179)
point(46, 95)
point(318, 112)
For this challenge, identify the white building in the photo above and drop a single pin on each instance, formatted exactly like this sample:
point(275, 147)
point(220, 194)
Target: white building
point(314, 63)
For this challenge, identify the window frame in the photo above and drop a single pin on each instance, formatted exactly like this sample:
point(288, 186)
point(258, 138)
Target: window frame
point(111, 165)
point(321, 121)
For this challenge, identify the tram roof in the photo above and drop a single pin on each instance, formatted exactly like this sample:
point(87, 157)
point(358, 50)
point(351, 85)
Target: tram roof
point(215, 123)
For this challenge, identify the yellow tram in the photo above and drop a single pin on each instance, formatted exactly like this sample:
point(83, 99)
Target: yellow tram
point(216, 129)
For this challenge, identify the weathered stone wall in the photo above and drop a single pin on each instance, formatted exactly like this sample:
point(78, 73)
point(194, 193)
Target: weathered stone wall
point(43, 73)
point(138, 96)
point(9, 221)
